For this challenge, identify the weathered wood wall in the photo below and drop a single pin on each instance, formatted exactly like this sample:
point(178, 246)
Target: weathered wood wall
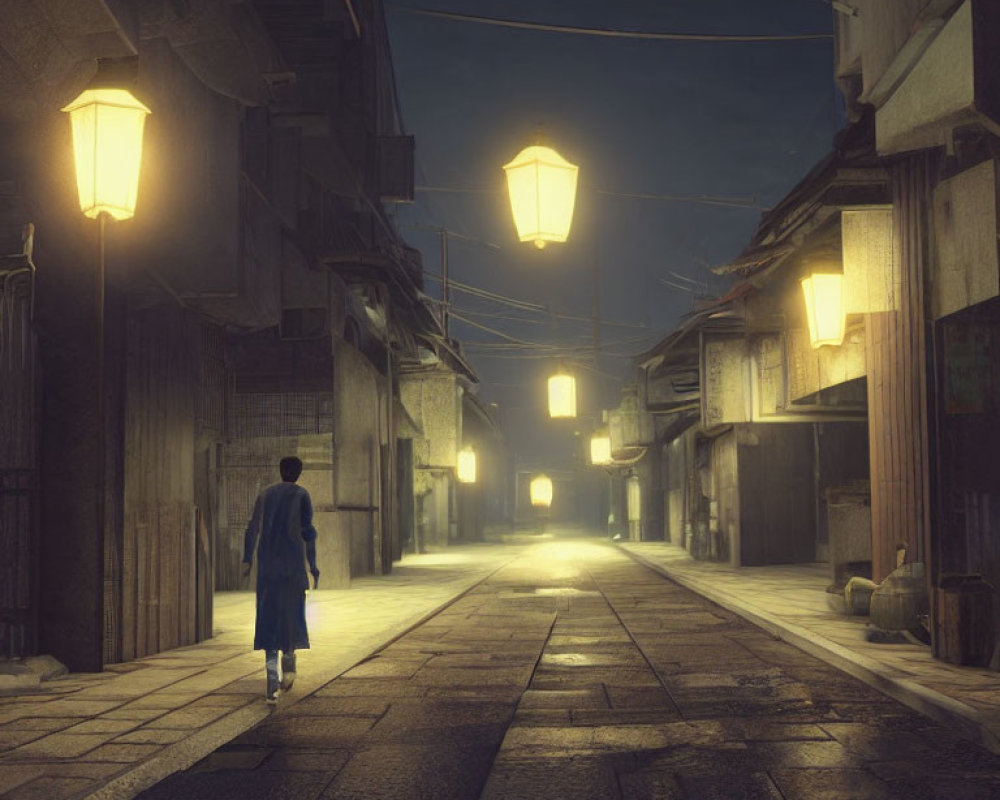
point(897, 385)
point(777, 494)
point(968, 532)
point(359, 431)
point(174, 391)
point(18, 469)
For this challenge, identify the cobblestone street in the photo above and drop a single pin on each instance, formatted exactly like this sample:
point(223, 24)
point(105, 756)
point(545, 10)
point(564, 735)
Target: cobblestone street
point(576, 672)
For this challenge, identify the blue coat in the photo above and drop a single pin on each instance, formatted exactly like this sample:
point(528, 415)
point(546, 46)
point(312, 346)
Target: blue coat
point(282, 524)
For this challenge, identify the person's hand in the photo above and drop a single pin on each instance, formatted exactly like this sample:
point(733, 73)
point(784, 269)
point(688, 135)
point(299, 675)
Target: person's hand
point(315, 574)
point(246, 569)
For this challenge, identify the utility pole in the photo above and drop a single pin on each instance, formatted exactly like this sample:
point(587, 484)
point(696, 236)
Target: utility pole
point(445, 294)
point(596, 311)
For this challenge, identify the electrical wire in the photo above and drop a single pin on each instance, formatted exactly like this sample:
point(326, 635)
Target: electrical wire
point(495, 332)
point(487, 295)
point(611, 32)
point(709, 200)
point(729, 202)
point(524, 305)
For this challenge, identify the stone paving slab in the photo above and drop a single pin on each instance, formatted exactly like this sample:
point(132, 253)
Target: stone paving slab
point(760, 718)
point(109, 735)
point(790, 602)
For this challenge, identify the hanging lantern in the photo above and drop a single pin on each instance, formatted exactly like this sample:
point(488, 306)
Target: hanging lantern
point(824, 308)
point(600, 448)
point(562, 395)
point(467, 465)
point(107, 144)
point(541, 491)
point(542, 186)
point(634, 500)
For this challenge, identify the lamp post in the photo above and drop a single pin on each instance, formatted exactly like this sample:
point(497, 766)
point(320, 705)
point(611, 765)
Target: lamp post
point(107, 124)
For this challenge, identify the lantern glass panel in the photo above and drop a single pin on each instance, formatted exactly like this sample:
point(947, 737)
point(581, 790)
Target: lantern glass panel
point(542, 187)
point(107, 146)
point(541, 491)
point(562, 396)
point(600, 449)
point(467, 466)
point(824, 308)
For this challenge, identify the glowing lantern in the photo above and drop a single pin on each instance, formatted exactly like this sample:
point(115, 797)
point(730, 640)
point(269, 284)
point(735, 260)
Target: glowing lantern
point(542, 186)
point(562, 395)
point(467, 465)
point(600, 448)
point(824, 308)
point(107, 144)
point(541, 491)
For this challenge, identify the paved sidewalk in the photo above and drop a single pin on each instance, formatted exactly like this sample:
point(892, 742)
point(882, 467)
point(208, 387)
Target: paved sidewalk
point(790, 602)
point(108, 735)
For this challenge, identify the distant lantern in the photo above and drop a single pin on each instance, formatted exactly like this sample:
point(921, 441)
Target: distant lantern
point(542, 186)
point(541, 491)
point(107, 144)
point(824, 308)
point(562, 395)
point(467, 465)
point(600, 448)
point(634, 500)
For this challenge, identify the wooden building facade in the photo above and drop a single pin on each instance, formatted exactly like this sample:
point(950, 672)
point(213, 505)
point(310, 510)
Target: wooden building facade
point(903, 411)
point(258, 305)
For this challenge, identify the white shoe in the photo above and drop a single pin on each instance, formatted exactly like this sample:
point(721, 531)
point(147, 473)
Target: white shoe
point(271, 695)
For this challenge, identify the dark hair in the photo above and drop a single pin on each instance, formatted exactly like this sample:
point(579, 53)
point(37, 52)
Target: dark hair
point(290, 468)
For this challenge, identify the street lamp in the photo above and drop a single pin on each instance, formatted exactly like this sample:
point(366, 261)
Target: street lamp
point(106, 123)
point(562, 395)
point(107, 144)
point(600, 448)
point(823, 294)
point(467, 465)
point(540, 491)
point(542, 187)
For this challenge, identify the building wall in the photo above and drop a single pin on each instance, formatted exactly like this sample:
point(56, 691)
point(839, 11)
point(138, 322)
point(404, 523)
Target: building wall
point(777, 517)
point(359, 433)
point(897, 385)
point(433, 400)
point(724, 515)
point(676, 481)
point(151, 594)
point(18, 470)
point(651, 499)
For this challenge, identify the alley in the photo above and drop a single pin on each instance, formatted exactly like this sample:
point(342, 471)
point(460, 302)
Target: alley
point(574, 671)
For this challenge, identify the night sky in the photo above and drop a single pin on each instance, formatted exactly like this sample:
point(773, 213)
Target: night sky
point(733, 120)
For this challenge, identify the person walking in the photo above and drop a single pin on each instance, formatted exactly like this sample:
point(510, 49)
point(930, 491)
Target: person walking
point(282, 522)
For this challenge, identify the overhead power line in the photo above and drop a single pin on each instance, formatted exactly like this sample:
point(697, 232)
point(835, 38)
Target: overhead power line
point(523, 305)
point(613, 33)
point(708, 200)
point(731, 202)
